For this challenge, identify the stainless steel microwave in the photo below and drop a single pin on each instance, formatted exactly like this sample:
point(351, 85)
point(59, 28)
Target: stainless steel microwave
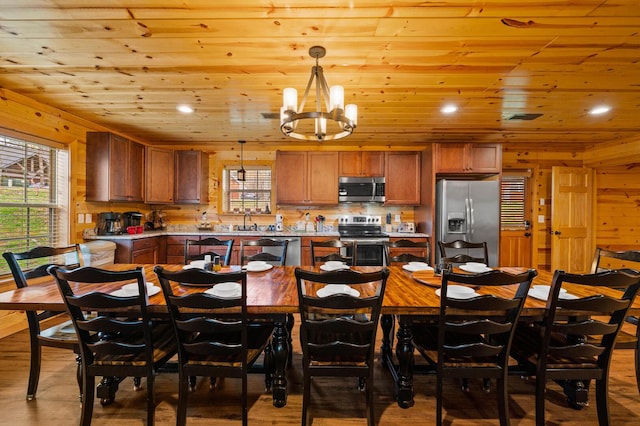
point(361, 189)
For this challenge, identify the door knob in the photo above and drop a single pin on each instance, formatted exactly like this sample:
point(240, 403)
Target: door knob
point(557, 232)
point(527, 234)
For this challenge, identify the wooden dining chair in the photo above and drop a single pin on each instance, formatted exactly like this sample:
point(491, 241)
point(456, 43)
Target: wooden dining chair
point(404, 251)
point(605, 260)
point(338, 330)
point(121, 340)
point(460, 251)
point(32, 264)
point(473, 334)
point(556, 348)
point(208, 246)
point(265, 249)
point(215, 337)
point(334, 250)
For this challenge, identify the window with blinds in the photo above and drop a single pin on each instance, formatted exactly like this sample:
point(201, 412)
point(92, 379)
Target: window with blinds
point(253, 194)
point(513, 202)
point(33, 196)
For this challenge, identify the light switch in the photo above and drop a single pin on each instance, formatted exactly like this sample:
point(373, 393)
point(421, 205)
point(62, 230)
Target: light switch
point(397, 218)
point(540, 218)
point(88, 218)
point(542, 201)
point(80, 217)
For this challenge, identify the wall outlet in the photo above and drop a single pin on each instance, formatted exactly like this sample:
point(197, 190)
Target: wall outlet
point(397, 218)
point(540, 218)
point(88, 218)
point(80, 217)
point(542, 201)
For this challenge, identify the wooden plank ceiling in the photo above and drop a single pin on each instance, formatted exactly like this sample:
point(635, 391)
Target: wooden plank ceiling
point(127, 64)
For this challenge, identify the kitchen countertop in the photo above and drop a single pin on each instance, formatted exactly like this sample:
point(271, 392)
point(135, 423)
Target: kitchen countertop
point(267, 234)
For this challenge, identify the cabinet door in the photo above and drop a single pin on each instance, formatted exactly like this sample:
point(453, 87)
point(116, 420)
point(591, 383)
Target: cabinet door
point(450, 158)
point(118, 169)
point(191, 177)
point(350, 163)
point(485, 158)
point(136, 172)
point(159, 175)
point(361, 163)
point(402, 178)
point(291, 177)
point(322, 178)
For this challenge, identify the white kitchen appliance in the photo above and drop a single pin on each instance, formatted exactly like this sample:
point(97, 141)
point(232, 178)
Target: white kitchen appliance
point(279, 222)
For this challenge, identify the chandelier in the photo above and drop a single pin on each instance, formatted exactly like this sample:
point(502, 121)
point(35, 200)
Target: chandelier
point(242, 173)
point(312, 126)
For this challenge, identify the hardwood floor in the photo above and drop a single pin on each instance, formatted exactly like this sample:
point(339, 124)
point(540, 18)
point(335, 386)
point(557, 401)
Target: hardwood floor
point(334, 401)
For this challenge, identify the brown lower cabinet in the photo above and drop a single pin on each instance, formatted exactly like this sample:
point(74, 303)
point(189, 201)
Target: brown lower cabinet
point(175, 246)
point(421, 252)
point(305, 247)
point(143, 250)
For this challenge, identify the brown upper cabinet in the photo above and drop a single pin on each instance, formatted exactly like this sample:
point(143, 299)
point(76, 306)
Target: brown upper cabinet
point(115, 168)
point(191, 177)
point(467, 158)
point(306, 178)
point(361, 163)
point(402, 178)
point(159, 175)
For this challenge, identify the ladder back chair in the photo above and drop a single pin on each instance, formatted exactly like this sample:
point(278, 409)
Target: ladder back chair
point(215, 337)
point(114, 343)
point(208, 246)
point(339, 313)
point(404, 251)
point(460, 251)
point(473, 334)
point(266, 249)
point(33, 264)
point(334, 250)
point(605, 260)
point(557, 349)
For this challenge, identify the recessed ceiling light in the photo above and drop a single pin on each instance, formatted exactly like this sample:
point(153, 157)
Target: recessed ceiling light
point(449, 109)
point(186, 109)
point(600, 110)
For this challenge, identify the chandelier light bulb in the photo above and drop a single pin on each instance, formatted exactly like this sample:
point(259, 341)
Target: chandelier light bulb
point(351, 112)
point(290, 99)
point(336, 97)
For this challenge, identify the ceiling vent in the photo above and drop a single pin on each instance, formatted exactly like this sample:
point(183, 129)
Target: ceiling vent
point(527, 117)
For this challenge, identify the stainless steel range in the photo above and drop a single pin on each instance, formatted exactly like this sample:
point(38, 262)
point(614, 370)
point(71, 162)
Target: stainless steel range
point(367, 232)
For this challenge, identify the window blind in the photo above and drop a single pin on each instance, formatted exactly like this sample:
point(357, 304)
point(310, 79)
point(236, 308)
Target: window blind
point(513, 202)
point(33, 196)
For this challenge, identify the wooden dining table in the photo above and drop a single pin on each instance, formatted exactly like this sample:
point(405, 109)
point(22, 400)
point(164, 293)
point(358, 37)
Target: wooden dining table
point(273, 294)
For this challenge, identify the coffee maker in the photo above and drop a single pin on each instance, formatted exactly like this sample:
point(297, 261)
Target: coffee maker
point(109, 223)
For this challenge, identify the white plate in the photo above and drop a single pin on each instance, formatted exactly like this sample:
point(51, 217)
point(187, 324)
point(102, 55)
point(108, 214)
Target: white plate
point(256, 263)
point(545, 289)
point(197, 264)
point(224, 292)
point(259, 268)
point(416, 266)
point(331, 289)
point(133, 287)
point(459, 294)
point(191, 267)
point(544, 295)
point(334, 263)
point(125, 293)
point(330, 268)
point(474, 269)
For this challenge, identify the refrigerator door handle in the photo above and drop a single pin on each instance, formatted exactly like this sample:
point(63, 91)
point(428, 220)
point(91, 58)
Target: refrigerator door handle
point(469, 217)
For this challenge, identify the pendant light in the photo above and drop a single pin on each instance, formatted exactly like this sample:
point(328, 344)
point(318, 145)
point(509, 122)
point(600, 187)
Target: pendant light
point(242, 173)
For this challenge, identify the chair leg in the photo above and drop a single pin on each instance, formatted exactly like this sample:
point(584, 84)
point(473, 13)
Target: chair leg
point(88, 394)
point(245, 408)
point(268, 367)
point(540, 402)
point(638, 356)
point(79, 374)
point(602, 400)
point(151, 403)
point(503, 400)
point(34, 369)
point(306, 395)
point(439, 397)
point(371, 415)
point(183, 397)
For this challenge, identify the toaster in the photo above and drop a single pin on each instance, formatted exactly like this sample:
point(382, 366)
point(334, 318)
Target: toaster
point(407, 227)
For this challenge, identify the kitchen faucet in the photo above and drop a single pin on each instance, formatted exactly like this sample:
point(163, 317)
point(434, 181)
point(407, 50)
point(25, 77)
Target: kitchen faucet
point(244, 221)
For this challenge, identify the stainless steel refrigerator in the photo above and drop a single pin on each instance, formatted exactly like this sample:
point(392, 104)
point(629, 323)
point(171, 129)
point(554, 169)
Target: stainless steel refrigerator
point(468, 210)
